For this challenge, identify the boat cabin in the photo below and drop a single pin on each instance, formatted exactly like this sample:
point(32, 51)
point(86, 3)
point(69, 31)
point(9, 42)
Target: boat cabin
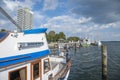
point(25, 56)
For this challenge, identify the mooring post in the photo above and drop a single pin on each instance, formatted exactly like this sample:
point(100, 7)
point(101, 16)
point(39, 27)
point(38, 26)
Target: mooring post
point(67, 47)
point(104, 62)
point(75, 47)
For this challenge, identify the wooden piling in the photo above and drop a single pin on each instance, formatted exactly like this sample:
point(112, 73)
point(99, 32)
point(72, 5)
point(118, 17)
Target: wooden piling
point(104, 62)
point(75, 47)
point(67, 47)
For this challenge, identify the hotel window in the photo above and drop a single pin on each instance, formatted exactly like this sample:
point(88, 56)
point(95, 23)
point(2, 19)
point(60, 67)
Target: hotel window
point(46, 65)
point(19, 74)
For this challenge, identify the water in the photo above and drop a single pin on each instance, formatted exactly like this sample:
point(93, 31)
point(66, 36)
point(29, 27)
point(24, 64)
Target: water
point(86, 62)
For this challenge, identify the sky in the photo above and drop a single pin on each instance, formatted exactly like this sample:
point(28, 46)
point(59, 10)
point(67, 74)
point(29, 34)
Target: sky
point(94, 19)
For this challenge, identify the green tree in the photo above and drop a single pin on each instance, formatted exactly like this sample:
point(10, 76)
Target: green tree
point(2, 30)
point(51, 36)
point(74, 38)
point(48, 37)
point(57, 37)
point(52, 33)
point(62, 36)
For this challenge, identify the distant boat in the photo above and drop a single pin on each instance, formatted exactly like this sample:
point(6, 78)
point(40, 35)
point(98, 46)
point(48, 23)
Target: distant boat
point(85, 43)
point(99, 43)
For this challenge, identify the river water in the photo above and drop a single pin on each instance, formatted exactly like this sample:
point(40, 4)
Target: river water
point(86, 62)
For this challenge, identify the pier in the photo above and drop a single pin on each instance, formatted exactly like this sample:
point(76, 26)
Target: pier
point(103, 56)
point(71, 44)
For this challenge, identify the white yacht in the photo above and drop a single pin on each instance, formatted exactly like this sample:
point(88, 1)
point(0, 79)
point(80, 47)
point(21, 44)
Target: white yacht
point(25, 55)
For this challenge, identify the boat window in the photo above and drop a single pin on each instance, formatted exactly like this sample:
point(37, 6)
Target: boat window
point(27, 45)
point(36, 70)
point(46, 65)
point(19, 74)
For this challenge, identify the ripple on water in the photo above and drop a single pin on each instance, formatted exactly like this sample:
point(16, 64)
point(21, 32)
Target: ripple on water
point(86, 62)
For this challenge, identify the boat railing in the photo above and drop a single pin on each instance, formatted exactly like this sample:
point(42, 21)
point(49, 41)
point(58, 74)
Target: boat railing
point(54, 51)
point(63, 71)
point(57, 51)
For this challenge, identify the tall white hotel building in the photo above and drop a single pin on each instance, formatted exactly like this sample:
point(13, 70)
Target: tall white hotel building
point(25, 18)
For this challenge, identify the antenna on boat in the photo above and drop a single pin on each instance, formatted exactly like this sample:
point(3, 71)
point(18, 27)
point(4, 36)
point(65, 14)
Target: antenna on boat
point(13, 21)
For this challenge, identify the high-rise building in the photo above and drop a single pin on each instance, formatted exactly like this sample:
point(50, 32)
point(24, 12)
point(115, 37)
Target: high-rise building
point(25, 18)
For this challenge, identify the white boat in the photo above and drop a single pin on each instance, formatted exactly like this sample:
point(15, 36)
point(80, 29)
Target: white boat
point(85, 42)
point(26, 56)
point(99, 43)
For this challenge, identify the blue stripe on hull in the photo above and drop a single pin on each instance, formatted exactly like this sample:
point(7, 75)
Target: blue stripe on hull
point(22, 58)
point(35, 31)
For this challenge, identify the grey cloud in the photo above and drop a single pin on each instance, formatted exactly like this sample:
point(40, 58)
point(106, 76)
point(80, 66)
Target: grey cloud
point(101, 11)
point(1, 3)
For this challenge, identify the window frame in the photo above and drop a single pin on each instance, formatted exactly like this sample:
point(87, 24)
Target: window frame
point(32, 70)
point(44, 65)
point(18, 70)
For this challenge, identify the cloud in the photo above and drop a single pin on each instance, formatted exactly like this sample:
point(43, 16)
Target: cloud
point(27, 3)
point(94, 18)
point(10, 4)
point(50, 4)
point(117, 35)
point(84, 20)
point(3, 22)
point(101, 11)
point(39, 19)
point(67, 24)
point(83, 27)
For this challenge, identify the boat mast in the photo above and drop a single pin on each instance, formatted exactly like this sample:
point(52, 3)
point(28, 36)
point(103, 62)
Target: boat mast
point(6, 14)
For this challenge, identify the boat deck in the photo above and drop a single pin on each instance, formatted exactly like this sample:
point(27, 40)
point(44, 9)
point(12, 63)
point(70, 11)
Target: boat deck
point(63, 69)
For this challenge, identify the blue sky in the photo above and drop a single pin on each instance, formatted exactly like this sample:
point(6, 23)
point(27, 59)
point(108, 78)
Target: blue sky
point(96, 19)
